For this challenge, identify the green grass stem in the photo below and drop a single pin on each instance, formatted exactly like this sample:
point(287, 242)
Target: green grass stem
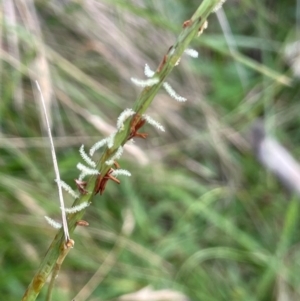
point(142, 103)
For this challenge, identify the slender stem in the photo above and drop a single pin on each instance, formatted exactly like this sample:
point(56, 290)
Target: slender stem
point(56, 169)
point(140, 106)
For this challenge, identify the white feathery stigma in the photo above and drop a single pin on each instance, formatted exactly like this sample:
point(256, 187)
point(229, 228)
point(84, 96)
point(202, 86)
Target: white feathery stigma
point(153, 122)
point(122, 118)
point(172, 93)
point(191, 52)
point(67, 188)
point(86, 170)
point(77, 208)
point(98, 145)
point(145, 83)
point(86, 158)
point(148, 72)
point(111, 140)
point(116, 156)
point(121, 172)
point(219, 5)
point(82, 176)
point(53, 223)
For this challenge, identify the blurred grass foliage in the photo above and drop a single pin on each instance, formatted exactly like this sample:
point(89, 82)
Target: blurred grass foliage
point(199, 215)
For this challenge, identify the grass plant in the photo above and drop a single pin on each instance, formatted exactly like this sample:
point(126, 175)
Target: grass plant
point(199, 215)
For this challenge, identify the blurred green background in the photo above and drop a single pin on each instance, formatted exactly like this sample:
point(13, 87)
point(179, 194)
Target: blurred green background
point(199, 219)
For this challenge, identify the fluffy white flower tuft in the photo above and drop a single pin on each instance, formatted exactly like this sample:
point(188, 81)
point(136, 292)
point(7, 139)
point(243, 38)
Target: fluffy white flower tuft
point(67, 188)
point(111, 140)
point(77, 208)
point(116, 156)
point(82, 176)
point(86, 170)
point(191, 52)
point(145, 83)
point(172, 93)
point(121, 172)
point(153, 122)
point(97, 146)
point(219, 5)
point(122, 118)
point(53, 223)
point(148, 72)
point(85, 157)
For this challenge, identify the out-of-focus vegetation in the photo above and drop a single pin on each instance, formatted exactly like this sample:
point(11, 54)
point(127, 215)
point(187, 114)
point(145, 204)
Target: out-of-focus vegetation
point(199, 215)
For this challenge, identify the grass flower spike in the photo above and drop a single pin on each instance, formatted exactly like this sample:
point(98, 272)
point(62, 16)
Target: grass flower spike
point(172, 93)
point(68, 189)
point(148, 72)
point(191, 52)
point(123, 117)
point(86, 158)
point(111, 140)
point(97, 146)
point(167, 86)
point(145, 83)
point(77, 208)
point(54, 224)
point(116, 156)
point(121, 172)
point(86, 170)
point(153, 122)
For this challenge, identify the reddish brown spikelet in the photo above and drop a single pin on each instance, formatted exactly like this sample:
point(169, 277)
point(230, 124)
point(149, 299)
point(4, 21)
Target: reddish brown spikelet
point(186, 23)
point(82, 223)
point(162, 63)
point(102, 181)
point(81, 186)
point(110, 177)
point(136, 123)
point(98, 184)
